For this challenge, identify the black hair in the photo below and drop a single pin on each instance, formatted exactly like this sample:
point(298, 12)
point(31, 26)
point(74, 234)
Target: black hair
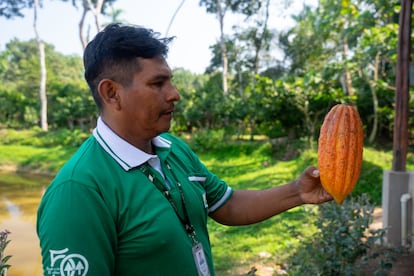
point(114, 51)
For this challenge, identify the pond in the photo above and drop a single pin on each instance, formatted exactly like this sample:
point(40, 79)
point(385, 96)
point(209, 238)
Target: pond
point(20, 195)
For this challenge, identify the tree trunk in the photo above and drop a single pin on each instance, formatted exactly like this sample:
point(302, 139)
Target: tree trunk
point(251, 126)
point(81, 25)
point(349, 89)
point(372, 85)
point(220, 14)
point(259, 43)
point(400, 143)
point(96, 11)
point(43, 72)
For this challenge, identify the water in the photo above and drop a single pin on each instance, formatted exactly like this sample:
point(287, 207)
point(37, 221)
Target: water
point(19, 200)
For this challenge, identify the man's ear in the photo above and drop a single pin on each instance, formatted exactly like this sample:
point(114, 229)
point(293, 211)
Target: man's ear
point(109, 92)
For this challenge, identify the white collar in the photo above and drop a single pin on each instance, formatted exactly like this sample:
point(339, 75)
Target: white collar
point(127, 155)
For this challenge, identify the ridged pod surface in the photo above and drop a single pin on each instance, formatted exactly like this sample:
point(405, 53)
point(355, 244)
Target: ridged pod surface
point(340, 148)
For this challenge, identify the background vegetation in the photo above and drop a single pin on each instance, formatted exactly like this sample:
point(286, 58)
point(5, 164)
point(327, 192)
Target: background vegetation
point(338, 51)
point(252, 118)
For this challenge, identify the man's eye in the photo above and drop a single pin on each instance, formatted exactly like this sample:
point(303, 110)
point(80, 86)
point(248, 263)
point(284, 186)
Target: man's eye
point(158, 84)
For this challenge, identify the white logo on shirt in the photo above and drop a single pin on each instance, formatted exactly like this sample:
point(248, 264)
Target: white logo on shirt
point(67, 264)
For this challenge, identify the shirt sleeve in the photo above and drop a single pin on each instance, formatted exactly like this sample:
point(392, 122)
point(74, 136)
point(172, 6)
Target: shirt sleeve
point(217, 190)
point(76, 231)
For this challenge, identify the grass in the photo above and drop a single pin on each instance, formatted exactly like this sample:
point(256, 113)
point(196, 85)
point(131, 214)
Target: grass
point(237, 249)
point(244, 165)
point(33, 150)
point(34, 159)
point(240, 248)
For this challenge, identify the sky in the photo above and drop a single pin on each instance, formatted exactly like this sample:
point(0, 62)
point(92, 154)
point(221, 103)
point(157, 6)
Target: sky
point(195, 30)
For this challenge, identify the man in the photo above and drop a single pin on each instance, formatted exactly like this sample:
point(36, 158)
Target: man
point(134, 200)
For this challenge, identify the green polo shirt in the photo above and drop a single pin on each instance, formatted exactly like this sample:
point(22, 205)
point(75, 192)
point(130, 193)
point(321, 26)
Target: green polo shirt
point(101, 215)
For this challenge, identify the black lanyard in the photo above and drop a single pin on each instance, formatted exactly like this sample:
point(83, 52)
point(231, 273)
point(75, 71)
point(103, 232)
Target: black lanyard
point(147, 170)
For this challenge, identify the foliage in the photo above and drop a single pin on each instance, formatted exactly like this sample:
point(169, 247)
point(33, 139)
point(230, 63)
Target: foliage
point(206, 140)
point(4, 241)
point(343, 242)
point(246, 7)
point(189, 112)
point(352, 46)
point(335, 52)
point(12, 8)
point(70, 102)
point(205, 107)
point(105, 4)
point(75, 103)
point(217, 143)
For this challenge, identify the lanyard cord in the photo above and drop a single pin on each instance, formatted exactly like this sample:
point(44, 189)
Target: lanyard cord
point(185, 221)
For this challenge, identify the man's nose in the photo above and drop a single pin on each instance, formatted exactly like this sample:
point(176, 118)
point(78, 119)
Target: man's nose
point(173, 94)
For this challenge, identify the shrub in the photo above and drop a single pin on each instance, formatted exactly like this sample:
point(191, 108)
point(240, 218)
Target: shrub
point(207, 140)
point(3, 259)
point(343, 244)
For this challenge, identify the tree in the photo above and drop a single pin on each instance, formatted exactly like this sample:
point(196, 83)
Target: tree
point(302, 47)
point(11, 9)
point(354, 41)
point(190, 86)
point(339, 27)
point(70, 103)
point(20, 81)
point(97, 8)
point(258, 36)
point(374, 59)
point(219, 8)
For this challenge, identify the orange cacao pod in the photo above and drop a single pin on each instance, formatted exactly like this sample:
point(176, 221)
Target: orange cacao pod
point(340, 147)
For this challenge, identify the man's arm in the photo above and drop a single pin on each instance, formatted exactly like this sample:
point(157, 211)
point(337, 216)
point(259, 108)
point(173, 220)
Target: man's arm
point(251, 206)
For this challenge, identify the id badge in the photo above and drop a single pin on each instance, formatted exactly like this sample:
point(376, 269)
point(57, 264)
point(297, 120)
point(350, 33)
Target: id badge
point(200, 260)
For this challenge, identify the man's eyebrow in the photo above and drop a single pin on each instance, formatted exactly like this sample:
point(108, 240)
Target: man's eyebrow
point(160, 77)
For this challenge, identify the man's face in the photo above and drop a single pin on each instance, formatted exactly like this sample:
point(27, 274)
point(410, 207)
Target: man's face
point(147, 104)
